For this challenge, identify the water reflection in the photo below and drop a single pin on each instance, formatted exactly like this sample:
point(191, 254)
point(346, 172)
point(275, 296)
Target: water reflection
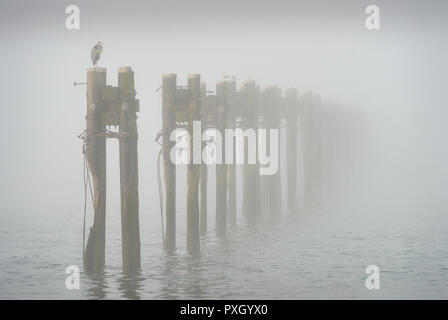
point(180, 276)
point(194, 287)
point(97, 287)
point(168, 274)
point(100, 285)
point(325, 258)
point(130, 284)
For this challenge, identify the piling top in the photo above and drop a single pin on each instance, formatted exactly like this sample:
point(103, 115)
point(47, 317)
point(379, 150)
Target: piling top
point(99, 70)
point(169, 75)
point(226, 81)
point(291, 91)
point(193, 76)
point(124, 69)
point(249, 83)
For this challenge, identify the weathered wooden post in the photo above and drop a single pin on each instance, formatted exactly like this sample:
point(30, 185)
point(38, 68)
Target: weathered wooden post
point(271, 183)
point(250, 170)
point(231, 168)
point(169, 124)
point(203, 171)
point(94, 255)
point(306, 140)
point(291, 100)
point(256, 173)
point(265, 180)
point(317, 149)
point(194, 108)
point(128, 137)
point(222, 96)
point(275, 187)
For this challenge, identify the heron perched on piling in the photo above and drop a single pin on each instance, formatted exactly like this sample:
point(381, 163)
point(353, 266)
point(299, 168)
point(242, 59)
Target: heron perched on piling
point(95, 54)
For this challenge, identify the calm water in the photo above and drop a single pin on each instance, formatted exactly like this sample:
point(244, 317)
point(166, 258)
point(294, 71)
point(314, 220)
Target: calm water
point(309, 255)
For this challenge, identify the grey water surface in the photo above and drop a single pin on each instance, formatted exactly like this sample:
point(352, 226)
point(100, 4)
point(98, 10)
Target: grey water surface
point(325, 259)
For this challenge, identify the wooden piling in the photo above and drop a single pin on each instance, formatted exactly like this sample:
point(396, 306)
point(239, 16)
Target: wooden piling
point(256, 168)
point(231, 168)
point(222, 95)
point(169, 124)
point(265, 180)
point(317, 150)
point(203, 170)
point(250, 170)
point(275, 184)
point(94, 255)
point(271, 120)
point(291, 101)
point(128, 137)
point(306, 141)
point(194, 108)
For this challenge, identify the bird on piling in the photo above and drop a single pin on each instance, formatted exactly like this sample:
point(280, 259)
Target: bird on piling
point(95, 54)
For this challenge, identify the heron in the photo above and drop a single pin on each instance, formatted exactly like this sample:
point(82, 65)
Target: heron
point(95, 54)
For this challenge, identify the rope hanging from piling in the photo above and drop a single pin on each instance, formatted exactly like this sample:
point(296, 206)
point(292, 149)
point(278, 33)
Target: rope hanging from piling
point(87, 182)
point(85, 208)
point(159, 183)
point(159, 179)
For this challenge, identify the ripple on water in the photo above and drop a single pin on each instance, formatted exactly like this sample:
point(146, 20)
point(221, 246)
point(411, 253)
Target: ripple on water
point(322, 256)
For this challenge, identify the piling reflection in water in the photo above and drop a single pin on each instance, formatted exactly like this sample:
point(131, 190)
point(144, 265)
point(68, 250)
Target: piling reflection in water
point(131, 284)
point(98, 285)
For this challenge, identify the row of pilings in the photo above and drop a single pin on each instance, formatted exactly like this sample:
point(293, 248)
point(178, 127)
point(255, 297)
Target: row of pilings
point(227, 106)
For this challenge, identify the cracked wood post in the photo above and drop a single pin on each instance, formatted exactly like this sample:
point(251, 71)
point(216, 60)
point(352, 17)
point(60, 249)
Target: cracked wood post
point(130, 228)
point(94, 255)
point(194, 108)
point(231, 168)
point(203, 170)
point(169, 123)
point(222, 96)
point(291, 100)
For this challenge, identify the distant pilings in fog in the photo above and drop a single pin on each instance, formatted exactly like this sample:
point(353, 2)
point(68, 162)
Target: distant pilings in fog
point(229, 107)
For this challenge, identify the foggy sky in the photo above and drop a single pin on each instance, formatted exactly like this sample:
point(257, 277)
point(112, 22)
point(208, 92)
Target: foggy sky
point(396, 74)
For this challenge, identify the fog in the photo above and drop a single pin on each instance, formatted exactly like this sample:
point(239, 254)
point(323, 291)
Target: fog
point(388, 84)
